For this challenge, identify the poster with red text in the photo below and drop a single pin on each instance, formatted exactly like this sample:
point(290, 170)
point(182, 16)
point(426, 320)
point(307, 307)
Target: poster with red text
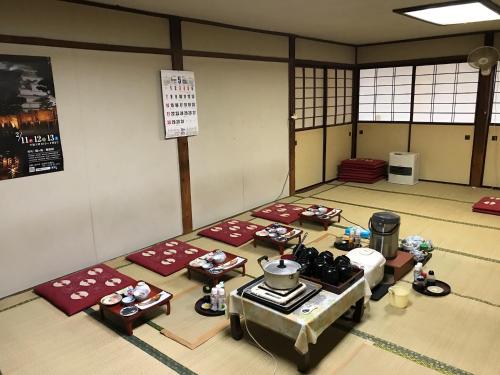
point(30, 142)
point(179, 103)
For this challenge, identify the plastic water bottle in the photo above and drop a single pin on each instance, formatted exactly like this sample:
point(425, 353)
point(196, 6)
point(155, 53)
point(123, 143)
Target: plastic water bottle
point(214, 299)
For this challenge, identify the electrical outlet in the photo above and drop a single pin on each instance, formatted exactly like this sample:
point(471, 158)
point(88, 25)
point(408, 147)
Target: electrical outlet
point(494, 138)
point(467, 137)
point(349, 134)
point(361, 132)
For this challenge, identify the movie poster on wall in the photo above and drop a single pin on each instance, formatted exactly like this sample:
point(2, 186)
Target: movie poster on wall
point(30, 142)
point(179, 103)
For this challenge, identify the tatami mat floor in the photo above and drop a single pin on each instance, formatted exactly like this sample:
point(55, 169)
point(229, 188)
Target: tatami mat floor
point(459, 333)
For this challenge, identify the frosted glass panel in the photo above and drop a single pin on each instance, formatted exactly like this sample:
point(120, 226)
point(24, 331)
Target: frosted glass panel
point(445, 93)
point(386, 87)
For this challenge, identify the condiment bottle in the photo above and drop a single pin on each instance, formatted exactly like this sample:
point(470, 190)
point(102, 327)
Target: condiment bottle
point(221, 299)
point(420, 283)
point(357, 237)
point(431, 279)
point(417, 271)
point(214, 299)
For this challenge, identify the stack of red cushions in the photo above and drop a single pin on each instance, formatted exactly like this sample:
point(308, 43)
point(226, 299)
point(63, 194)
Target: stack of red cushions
point(362, 170)
point(487, 205)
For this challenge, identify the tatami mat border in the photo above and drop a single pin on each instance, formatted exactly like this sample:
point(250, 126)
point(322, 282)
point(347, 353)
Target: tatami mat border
point(145, 347)
point(410, 194)
point(407, 213)
point(401, 351)
point(20, 303)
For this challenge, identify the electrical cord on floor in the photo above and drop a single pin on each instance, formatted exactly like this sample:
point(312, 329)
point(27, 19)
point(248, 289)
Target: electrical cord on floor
point(352, 222)
point(253, 338)
point(284, 184)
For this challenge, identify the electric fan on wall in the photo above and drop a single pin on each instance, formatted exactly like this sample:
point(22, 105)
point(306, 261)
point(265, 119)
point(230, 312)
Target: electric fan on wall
point(483, 58)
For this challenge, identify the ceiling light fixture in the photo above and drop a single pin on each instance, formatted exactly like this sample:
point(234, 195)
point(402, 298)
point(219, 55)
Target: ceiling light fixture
point(454, 12)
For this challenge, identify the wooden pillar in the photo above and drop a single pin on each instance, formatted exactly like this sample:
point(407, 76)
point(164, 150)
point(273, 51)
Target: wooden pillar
point(354, 110)
point(182, 142)
point(291, 112)
point(481, 123)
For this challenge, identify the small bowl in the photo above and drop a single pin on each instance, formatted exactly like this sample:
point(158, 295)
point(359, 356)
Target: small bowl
point(322, 210)
point(281, 230)
point(140, 296)
point(128, 300)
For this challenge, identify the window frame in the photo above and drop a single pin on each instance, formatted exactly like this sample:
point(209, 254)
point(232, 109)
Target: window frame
point(414, 66)
point(322, 101)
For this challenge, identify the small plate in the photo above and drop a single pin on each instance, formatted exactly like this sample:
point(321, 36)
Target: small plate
point(273, 235)
point(111, 299)
point(197, 263)
point(129, 310)
point(435, 289)
point(262, 233)
point(308, 213)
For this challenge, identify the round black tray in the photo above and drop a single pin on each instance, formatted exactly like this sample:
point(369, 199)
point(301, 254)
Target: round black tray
point(202, 311)
point(441, 284)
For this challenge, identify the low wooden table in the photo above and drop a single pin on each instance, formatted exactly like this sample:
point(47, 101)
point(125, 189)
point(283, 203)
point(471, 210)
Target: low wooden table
point(301, 326)
point(127, 322)
point(318, 219)
point(215, 278)
point(399, 266)
point(281, 245)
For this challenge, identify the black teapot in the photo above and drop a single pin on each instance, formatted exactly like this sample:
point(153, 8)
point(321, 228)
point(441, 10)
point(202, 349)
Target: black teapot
point(330, 275)
point(327, 256)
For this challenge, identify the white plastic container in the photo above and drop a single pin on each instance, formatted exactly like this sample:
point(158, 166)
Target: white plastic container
point(371, 261)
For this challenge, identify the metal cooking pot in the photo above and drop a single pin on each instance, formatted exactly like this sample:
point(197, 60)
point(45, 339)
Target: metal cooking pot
point(281, 273)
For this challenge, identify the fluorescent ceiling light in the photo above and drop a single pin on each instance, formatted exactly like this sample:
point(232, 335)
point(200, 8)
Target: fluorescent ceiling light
point(454, 12)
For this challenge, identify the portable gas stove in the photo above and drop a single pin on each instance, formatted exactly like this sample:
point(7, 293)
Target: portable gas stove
point(284, 301)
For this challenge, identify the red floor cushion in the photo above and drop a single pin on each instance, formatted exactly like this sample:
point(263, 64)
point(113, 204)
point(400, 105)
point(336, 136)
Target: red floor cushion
point(166, 257)
point(280, 212)
point(363, 163)
point(77, 291)
point(232, 232)
point(366, 180)
point(487, 205)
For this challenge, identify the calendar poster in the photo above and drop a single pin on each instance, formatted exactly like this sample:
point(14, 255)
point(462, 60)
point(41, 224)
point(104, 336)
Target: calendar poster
point(179, 103)
point(30, 142)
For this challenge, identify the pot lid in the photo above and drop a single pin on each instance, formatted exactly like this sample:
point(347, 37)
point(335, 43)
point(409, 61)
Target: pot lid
point(385, 218)
point(282, 267)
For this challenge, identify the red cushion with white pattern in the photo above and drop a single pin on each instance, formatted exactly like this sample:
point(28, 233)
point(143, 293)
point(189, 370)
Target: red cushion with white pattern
point(487, 205)
point(77, 291)
point(166, 257)
point(232, 232)
point(280, 212)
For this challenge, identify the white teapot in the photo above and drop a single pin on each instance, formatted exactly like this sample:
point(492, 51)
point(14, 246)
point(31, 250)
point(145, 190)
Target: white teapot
point(141, 291)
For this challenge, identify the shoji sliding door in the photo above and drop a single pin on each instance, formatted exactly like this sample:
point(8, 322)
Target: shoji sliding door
point(323, 106)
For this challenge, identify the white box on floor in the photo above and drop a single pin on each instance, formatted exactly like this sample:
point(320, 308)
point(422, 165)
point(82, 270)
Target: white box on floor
point(403, 168)
point(371, 261)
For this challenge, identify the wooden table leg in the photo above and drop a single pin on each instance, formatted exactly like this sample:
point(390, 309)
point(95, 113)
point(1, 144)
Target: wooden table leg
point(244, 271)
point(189, 273)
point(281, 249)
point(128, 328)
point(304, 362)
point(236, 331)
point(359, 310)
point(254, 243)
point(167, 308)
